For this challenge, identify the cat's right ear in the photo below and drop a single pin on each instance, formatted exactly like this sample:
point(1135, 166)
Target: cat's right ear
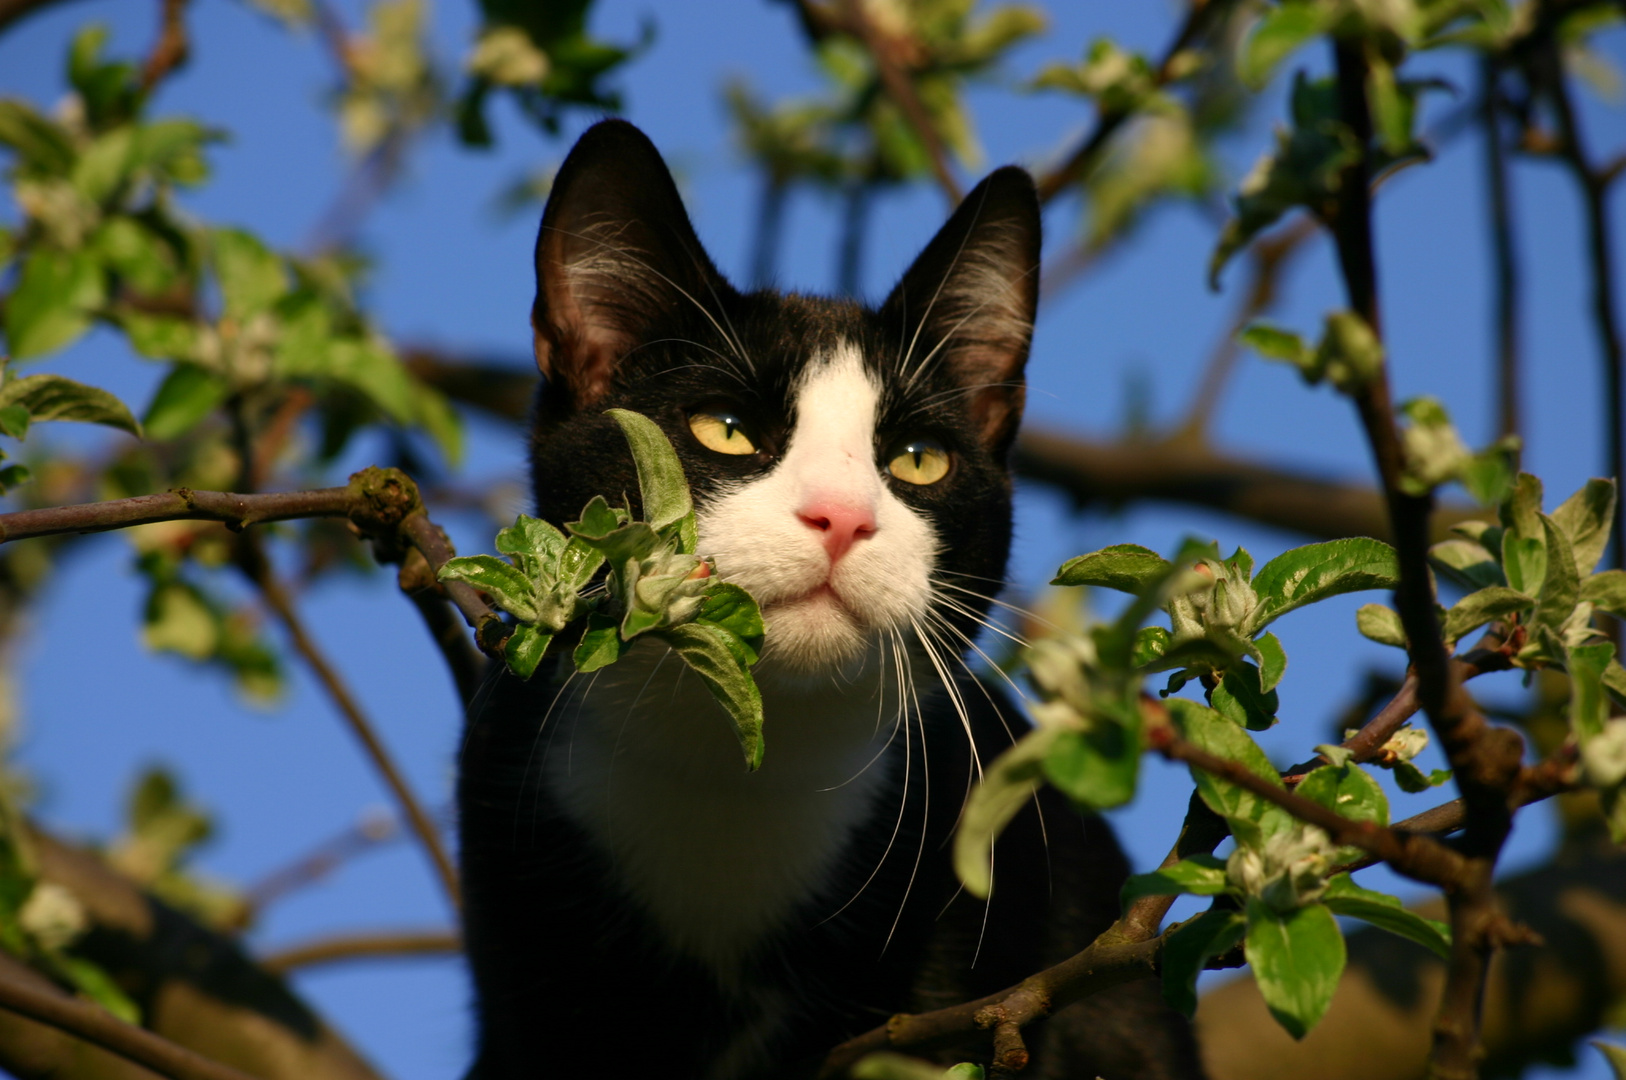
point(615, 252)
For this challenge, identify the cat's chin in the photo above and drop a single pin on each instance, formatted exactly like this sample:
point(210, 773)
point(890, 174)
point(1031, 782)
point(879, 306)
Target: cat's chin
point(814, 634)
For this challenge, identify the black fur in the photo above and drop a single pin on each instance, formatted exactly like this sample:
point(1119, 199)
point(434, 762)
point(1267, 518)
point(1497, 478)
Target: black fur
point(571, 979)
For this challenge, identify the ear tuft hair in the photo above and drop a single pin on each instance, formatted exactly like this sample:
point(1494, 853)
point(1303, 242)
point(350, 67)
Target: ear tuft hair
point(969, 300)
point(615, 253)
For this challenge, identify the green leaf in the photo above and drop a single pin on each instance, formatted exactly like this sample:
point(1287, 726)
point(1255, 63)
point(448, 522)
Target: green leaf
point(577, 564)
point(1314, 572)
point(1487, 605)
point(1345, 897)
point(1151, 642)
point(1560, 587)
point(250, 274)
point(661, 485)
point(1240, 698)
point(1128, 568)
point(601, 644)
point(1296, 960)
point(1349, 790)
point(187, 395)
point(98, 986)
point(1274, 343)
point(524, 649)
point(1007, 784)
point(369, 365)
point(1588, 706)
point(14, 421)
point(1210, 934)
point(723, 663)
point(135, 252)
point(598, 520)
point(1489, 474)
point(52, 397)
point(53, 301)
point(1468, 563)
point(104, 166)
point(1586, 518)
point(1381, 624)
point(14, 476)
point(43, 146)
point(1097, 768)
point(1277, 36)
point(161, 337)
point(1615, 1056)
point(1273, 664)
point(1393, 107)
point(511, 590)
point(1413, 780)
point(1251, 817)
point(1198, 875)
point(1606, 590)
point(1524, 550)
point(535, 543)
point(736, 611)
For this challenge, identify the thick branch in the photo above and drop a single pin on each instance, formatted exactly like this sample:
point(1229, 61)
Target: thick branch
point(172, 49)
point(96, 1025)
point(14, 10)
point(258, 569)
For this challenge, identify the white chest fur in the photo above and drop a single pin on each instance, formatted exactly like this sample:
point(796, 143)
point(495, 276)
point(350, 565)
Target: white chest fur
point(644, 760)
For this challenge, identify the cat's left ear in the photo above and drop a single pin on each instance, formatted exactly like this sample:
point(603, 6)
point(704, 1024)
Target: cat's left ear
point(972, 295)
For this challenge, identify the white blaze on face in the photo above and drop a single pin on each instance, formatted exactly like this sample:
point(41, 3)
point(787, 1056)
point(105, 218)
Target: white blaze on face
point(832, 555)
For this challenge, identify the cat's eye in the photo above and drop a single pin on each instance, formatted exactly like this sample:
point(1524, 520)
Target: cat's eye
point(920, 461)
point(721, 430)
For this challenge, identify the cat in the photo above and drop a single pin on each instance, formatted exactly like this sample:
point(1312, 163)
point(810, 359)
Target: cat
point(638, 904)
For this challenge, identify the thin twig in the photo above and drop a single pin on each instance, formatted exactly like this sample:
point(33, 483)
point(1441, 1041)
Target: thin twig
point(330, 950)
point(173, 47)
point(446, 630)
point(96, 1025)
point(1594, 185)
point(370, 832)
point(1484, 760)
point(1506, 300)
point(1107, 122)
point(258, 570)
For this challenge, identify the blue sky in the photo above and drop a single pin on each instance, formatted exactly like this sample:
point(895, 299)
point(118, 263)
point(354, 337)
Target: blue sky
point(95, 707)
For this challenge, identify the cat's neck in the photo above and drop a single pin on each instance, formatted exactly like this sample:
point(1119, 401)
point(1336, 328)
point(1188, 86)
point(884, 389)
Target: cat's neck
point(641, 757)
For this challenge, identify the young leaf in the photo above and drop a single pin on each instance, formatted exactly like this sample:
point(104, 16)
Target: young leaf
point(1190, 947)
point(723, 663)
point(1349, 790)
point(1345, 897)
point(1586, 518)
point(1240, 698)
point(1606, 590)
point(53, 301)
point(661, 484)
point(251, 276)
point(1307, 574)
point(52, 397)
point(1251, 817)
point(1487, 605)
point(601, 644)
point(1588, 707)
point(1560, 587)
point(534, 538)
point(525, 648)
point(14, 420)
point(511, 589)
point(734, 609)
point(1467, 563)
point(1128, 568)
point(1199, 875)
point(1273, 661)
point(1296, 960)
point(1524, 550)
point(1381, 624)
point(1413, 780)
point(187, 395)
point(1007, 785)
point(1096, 768)
point(1279, 33)
point(1274, 343)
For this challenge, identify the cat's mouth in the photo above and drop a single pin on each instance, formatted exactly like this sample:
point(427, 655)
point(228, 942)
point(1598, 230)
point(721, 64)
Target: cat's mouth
point(824, 595)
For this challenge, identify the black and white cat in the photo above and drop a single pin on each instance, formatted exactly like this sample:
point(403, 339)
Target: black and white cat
point(637, 903)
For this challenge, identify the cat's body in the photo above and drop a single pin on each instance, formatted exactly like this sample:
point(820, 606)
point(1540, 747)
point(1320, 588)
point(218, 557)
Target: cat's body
point(637, 903)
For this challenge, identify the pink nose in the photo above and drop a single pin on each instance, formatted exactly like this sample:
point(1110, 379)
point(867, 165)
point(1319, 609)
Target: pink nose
point(841, 525)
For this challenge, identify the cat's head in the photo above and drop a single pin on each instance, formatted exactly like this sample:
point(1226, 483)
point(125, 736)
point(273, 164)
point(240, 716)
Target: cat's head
point(848, 465)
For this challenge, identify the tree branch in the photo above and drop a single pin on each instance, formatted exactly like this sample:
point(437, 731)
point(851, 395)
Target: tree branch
point(330, 950)
point(370, 832)
point(1485, 760)
point(1506, 299)
point(12, 11)
point(257, 568)
point(1107, 122)
point(101, 1028)
point(172, 49)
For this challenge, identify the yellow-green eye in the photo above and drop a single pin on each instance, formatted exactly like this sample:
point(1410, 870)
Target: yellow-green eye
point(719, 430)
point(920, 461)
